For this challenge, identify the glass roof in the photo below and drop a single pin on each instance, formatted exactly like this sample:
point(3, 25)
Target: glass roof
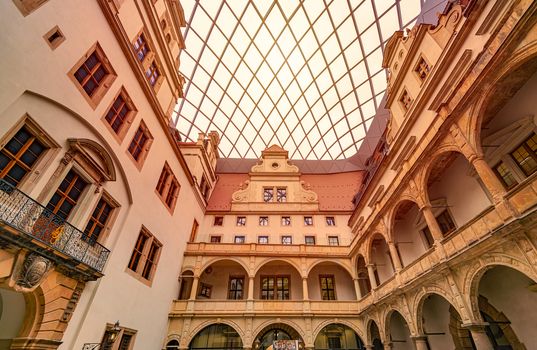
point(305, 75)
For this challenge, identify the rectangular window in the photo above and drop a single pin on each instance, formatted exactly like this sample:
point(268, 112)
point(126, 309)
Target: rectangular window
point(281, 195)
point(427, 237)
point(19, 156)
point(218, 221)
point(139, 142)
point(268, 194)
point(308, 220)
point(505, 175)
point(93, 75)
point(262, 239)
point(98, 220)
point(241, 220)
point(333, 240)
point(330, 221)
point(205, 290)
point(275, 287)
point(120, 114)
point(328, 287)
point(236, 288)
point(286, 221)
point(287, 240)
point(67, 195)
point(525, 155)
point(145, 255)
point(168, 187)
point(422, 69)
point(445, 222)
point(140, 47)
point(216, 239)
point(406, 100)
point(240, 239)
point(124, 339)
point(152, 73)
point(194, 231)
point(309, 240)
point(263, 221)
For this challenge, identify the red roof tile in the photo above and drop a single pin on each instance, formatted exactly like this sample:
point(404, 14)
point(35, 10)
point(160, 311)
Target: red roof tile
point(335, 191)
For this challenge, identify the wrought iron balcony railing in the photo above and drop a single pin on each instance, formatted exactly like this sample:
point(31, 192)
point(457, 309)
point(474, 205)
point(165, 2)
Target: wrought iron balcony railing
point(26, 215)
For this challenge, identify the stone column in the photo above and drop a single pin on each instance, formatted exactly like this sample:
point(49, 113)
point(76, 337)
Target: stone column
point(489, 178)
point(251, 288)
point(369, 347)
point(420, 342)
point(194, 290)
point(395, 256)
point(305, 294)
point(371, 273)
point(479, 335)
point(428, 215)
point(357, 289)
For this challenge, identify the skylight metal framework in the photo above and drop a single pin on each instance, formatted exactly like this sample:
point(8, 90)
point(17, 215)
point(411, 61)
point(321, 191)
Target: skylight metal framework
point(305, 75)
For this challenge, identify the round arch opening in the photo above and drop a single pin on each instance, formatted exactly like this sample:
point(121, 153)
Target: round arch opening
point(216, 336)
point(338, 336)
point(274, 332)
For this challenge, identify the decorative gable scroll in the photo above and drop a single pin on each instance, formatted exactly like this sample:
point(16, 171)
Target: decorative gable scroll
point(273, 171)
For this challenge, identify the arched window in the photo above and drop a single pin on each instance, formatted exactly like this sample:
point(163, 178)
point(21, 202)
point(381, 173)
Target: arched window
point(216, 336)
point(338, 336)
point(172, 345)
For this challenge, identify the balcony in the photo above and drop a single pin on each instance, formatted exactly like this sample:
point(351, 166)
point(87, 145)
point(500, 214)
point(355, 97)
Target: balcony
point(215, 249)
point(267, 307)
point(26, 223)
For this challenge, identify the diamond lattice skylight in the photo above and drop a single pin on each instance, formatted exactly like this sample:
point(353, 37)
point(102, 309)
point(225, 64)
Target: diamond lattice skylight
point(305, 75)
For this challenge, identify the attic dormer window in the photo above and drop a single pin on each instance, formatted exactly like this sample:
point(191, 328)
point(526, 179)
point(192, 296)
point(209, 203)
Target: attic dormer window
point(406, 100)
point(422, 69)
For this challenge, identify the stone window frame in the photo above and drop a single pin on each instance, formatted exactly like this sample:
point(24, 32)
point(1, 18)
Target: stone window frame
point(402, 100)
point(139, 163)
point(283, 237)
point(107, 82)
point(218, 220)
point(77, 158)
point(310, 236)
point(306, 221)
point(54, 37)
point(194, 230)
point(149, 60)
point(264, 221)
point(169, 180)
point(239, 236)
point(119, 136)
point(26, 7)
point(417, 67)
point(143, 259)
point(240, 221)
point(290, 220)
point(205, 290)
point(30, 180)
point(119, 337)
point(327, 220)
point(217, 238)
point(105, 233)
point(321, 276)
point(329, 237)
point(237, 277)
point(263, 237)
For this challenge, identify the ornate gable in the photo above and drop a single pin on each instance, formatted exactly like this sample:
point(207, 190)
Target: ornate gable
point(274, 172)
